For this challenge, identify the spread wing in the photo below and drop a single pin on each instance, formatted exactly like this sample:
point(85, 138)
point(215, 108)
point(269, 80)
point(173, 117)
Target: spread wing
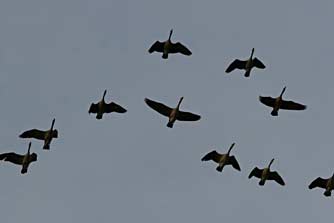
point(113, 107)
point(257, 63)
point(256, 172)
point(93, 108)
point(236, 64)
point(12, 157)
point(319, 182)
point(33, 133)
point(187, 116)
point(269, 101)
point(159, 107)
point(179, 48)
point(213, 155)
point(157, 46)
point(276, 177)
point(233, 161)
point(290, 105)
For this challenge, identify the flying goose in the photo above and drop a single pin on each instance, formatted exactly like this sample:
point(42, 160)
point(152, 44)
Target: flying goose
point(172, 113)
point(279, 103)
point(246, 64)
point(167, 47)
point(46, 136)
point(266, 174)
point(23, 160)
point(327, 184)
point(102, 107)
point(222, 159)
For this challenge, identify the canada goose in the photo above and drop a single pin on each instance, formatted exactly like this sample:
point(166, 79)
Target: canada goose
point(102, 107)
point(266, 174)
point(42, 135)
point(327, 184)
point(172, 113)
point(246, 64)
point(167, 47)
point(279, 103)
point(23, 160)
point(222, 159)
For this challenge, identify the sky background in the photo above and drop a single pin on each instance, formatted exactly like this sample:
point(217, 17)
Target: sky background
point(57, 57)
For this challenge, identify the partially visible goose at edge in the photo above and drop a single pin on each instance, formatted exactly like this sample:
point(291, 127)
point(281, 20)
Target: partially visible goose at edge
point(22, 160)
point(102, 107)
point(327, 184)
point(172, 113)
point(167, 47)
point(46, 136)
point(279, 103)
point(246, 65)
point(222, 159)
point(266, 174)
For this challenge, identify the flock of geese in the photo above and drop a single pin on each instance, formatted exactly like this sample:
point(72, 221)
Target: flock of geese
point(168, 47)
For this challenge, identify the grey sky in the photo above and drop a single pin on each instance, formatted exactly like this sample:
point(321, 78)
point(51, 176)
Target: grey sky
point(56, 57)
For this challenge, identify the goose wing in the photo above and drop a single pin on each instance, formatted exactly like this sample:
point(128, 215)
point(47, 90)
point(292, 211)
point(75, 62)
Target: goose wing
point(213, 155)
point(157, 46)
point(113, 107)
point(269, 101)
point(12, 157)
point(159, 107)
point(290, 105)
point(236, 64)
point(93, 108)
point(256, 172)
point(319, 182)
point(180, 48)
point(233, 161)
point(187, 116)
point(33, 133)
point(276, 177)
point(257, 63)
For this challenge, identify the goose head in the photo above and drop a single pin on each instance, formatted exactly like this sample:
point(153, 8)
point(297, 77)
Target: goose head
point(282, 92)
point(229, 150)
point(271, 162)
point(170, 34)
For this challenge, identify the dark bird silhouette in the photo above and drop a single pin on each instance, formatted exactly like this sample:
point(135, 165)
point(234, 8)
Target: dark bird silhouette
point(222, 159)
point(278, 103)
point(168, 47)
point(46, 136)
point(22, 160)
point(245, 65)
point(266, 174)
point(172, 113)
point(327, 184)
point(102, 107)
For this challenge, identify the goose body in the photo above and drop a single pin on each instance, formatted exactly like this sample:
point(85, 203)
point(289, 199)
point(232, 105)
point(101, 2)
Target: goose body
point(327, 184)
point(278, 103)
point(173, 114)
point(266, 174)
point(102, 107)
point(246, 65)
point(168, 47)
point(222, 159)
point(22, 160)
point(46, 136)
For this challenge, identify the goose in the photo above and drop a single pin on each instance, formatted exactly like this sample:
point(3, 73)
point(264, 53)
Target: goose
point(172, 113)
point(222, 159)
point(23, 160)
point(102, 107)
point(245, 64)
point(46, 136)
point(279, 103)
point(167, 47)
point(327, 184)
point(266, 174)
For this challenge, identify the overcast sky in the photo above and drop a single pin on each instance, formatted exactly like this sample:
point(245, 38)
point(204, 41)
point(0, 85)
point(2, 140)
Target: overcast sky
point(57, 57)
